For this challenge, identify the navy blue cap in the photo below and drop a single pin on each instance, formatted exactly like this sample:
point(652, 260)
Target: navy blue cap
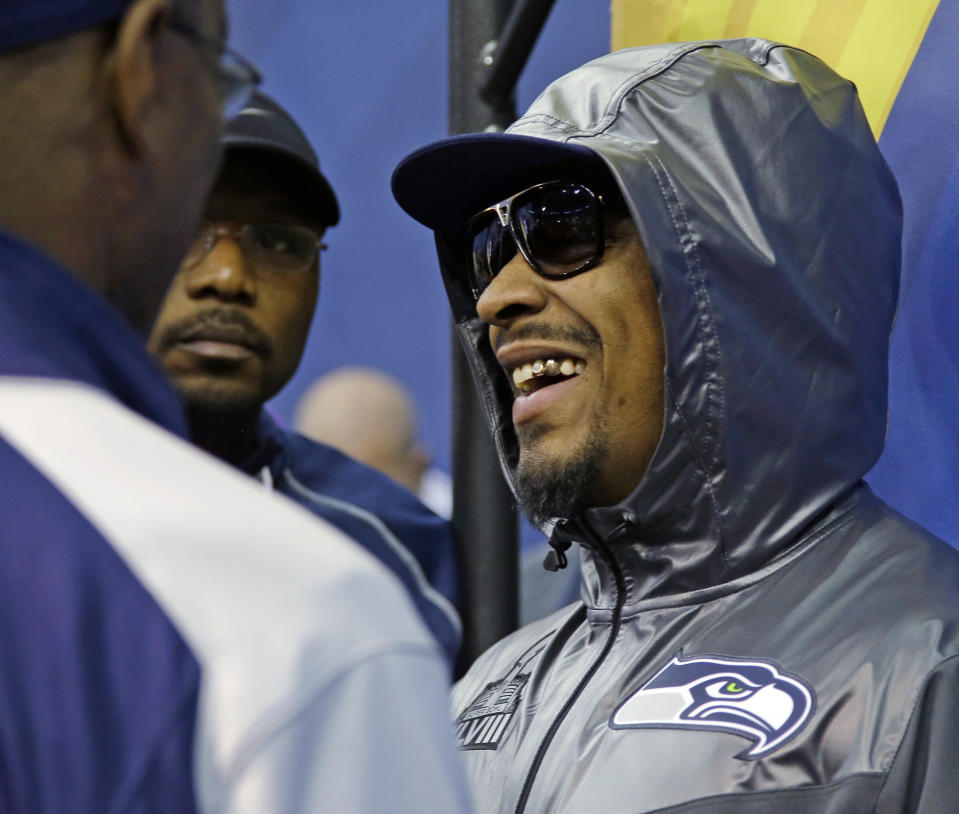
point(28, 22)
point(264, 125)
point(445, 183)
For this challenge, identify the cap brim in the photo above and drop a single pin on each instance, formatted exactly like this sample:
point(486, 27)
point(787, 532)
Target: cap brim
point(445, 183)
point(324, 203)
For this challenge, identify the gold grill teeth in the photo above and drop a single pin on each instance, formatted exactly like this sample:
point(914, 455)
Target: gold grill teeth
point(523, 374)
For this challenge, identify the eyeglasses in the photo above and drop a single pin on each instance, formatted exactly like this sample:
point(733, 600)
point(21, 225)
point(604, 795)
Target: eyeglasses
point(557, 227)
point(236, 76)
point(278, 247)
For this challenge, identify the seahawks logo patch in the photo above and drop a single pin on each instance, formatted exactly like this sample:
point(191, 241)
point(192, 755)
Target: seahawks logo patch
point(485, 721)
point(752, 698)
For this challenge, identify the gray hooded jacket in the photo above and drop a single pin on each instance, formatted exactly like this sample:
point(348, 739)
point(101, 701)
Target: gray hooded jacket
point(758, 632)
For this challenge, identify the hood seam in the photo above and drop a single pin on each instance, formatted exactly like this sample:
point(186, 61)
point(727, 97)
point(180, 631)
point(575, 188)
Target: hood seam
point(712, 353)
point(626, 87)
point(629, 85)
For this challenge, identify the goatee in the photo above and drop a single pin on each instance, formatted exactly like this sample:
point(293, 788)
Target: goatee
point(550, 489)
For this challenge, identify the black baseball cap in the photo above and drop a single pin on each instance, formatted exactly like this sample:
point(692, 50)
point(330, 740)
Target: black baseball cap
point(442, 185)
point(263, 125)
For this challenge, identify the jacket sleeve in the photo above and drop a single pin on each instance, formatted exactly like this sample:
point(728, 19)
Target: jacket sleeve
point(923, 778)
point(378, 740)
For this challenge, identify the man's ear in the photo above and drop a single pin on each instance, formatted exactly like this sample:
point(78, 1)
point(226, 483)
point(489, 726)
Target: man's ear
point(135, 80)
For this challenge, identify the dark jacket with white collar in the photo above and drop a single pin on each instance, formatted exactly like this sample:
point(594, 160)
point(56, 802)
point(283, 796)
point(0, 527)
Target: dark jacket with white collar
point(174, 637)
point(386, 519)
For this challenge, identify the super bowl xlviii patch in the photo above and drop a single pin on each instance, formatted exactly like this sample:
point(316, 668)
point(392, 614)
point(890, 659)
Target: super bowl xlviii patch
point(485, 721)
point(752, 698)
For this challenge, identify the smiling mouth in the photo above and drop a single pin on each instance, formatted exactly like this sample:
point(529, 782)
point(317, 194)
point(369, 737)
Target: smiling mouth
point(532, 376)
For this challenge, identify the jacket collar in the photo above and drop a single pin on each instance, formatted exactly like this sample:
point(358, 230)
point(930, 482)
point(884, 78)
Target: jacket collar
point(268, 450)
point(660, 573)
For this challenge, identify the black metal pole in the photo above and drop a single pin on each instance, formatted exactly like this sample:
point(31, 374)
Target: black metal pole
point(483, 512)
point(505, 61)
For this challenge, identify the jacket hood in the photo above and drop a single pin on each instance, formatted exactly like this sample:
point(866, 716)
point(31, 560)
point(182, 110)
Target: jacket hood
point(772, 228)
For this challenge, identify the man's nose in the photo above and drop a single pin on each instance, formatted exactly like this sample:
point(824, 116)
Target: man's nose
point(223, 273)
point(516, 291)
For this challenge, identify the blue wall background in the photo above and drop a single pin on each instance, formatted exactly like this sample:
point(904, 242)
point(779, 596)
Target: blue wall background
point(368, 84)
point(919, 469)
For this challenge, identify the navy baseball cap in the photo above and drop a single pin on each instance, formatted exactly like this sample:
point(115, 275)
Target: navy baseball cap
point(442, 185)
point(28, 22)
point(263, 125)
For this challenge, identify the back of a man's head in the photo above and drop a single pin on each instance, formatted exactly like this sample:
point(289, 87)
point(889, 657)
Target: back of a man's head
point(370, 417)
point(109, 122)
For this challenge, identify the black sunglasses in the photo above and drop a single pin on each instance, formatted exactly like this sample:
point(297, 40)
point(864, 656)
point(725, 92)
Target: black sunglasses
point(557, 227)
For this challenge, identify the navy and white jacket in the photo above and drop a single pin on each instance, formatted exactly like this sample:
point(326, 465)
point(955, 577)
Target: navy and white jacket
point(386, 519)
point(173, 637)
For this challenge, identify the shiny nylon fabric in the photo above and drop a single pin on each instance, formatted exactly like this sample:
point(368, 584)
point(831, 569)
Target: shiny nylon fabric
point(772, 227)
point(863, 610)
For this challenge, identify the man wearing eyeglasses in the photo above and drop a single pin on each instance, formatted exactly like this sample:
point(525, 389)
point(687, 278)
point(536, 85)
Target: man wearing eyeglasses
point(676, 275)
point(231, 332)
point(173, 638)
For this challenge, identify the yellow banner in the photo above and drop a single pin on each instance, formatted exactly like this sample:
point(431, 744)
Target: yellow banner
point(872, 42)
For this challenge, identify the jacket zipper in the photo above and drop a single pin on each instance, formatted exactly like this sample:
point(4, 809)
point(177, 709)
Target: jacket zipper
point(601, 547)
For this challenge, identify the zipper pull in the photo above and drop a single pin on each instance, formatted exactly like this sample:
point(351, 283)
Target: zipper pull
point(559, 544)
point(627, 522)
point(556, 556)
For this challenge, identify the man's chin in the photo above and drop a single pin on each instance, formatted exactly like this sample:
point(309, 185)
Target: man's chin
point(223, 397)
point(551, 484)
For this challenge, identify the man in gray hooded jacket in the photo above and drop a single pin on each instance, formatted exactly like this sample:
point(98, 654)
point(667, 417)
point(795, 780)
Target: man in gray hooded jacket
point(684, 366)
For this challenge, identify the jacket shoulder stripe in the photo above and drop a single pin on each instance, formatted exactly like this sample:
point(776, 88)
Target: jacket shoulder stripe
point(401, 551)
